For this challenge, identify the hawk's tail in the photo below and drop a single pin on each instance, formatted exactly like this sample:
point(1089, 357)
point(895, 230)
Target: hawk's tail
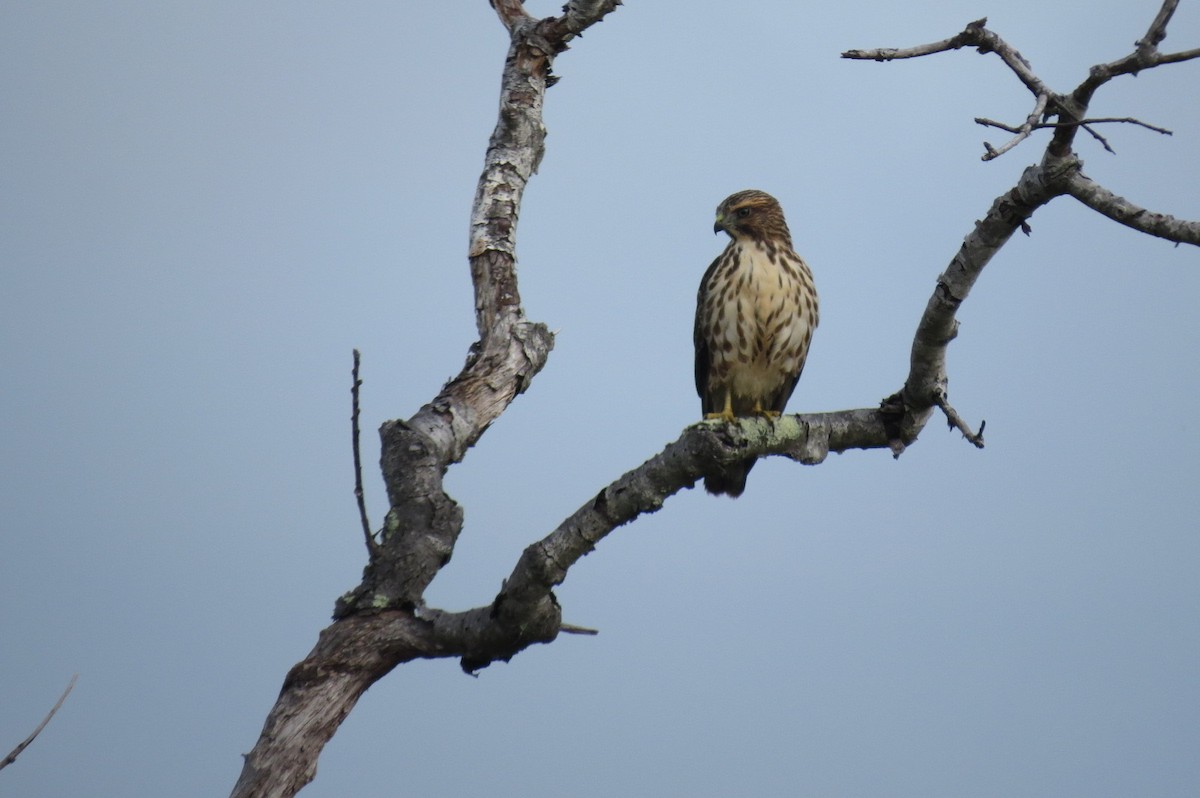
point(730, 482)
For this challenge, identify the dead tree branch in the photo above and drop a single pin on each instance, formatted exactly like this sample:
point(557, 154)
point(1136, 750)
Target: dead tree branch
point(1022, 132)
point(955, 421)
point(379, 624)
point(21, 746)
point(974, 35)
point(1144, 56)
point(1158, 27)
point(1071, 109)
point(359, 497)
point(967, 38)
point(384, 622)
point(1119, 209)
point(1089, 121)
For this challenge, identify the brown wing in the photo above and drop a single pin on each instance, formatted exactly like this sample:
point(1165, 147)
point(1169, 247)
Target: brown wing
point(703, 356)
point(780, 400)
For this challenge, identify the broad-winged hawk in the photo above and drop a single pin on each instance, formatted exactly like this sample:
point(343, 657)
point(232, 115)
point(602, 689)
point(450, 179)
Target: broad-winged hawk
point(755, 315)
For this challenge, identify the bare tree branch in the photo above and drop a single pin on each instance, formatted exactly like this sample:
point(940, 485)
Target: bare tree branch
point(974, 35)
point(384, 622)
point(957, 41)
point(21, 746)
point(1175, 58)
point(1158, 28)
point(512, 13)
point(579, 15)
point(1070, 108)
point(956, 422)
point(1095, 120)
point(1145, 56)
point(1119, 209)
point(1100, 139)
point(423, 524)
point(356, 383)
point(1022, 132)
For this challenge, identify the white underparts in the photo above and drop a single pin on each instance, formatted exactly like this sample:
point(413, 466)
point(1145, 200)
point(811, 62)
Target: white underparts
point(760, 322)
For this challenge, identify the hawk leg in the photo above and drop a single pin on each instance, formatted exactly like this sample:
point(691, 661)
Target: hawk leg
point(759, 411)
point(726, 414)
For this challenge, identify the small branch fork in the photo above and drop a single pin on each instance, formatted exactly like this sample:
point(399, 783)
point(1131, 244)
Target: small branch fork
point(1031, 124)
point(1058, 174)
point(974, 35)
point(1024, 131)
point(1069, 108)
point(16, 752)
point(955, 421)
point(1091, 121)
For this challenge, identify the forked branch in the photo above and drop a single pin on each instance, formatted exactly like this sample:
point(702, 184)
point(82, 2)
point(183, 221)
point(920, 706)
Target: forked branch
point(378, 624)
point(974, 35)
point(1095, 120)
point(1031, 124)
point(1070, 108)
point(955, 421)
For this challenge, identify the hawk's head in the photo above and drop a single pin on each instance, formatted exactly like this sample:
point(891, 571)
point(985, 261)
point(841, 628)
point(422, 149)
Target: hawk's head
point(752, 215)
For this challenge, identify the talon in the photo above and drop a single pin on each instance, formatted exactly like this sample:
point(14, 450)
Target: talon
point(759, 411)
point(726, 414)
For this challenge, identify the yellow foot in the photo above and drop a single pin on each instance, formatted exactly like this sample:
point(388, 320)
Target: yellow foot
point(760, 411)
point(726, 416)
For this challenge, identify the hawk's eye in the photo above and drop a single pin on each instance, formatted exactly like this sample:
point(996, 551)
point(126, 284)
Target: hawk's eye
point(742, 213)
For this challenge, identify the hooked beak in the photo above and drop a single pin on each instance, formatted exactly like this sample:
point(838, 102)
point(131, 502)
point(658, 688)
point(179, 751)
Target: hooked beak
point(719, 225)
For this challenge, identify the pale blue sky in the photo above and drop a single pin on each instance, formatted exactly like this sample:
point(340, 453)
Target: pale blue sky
point(206, 207)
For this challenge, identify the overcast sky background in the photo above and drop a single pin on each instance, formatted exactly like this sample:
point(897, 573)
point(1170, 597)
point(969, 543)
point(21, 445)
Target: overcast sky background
point(207, 206)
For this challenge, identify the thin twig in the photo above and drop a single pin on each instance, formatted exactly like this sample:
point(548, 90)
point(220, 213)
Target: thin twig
point(1105, 119)
point(1022, 132)
point(1103, 141)
point(955, 422)
point(983, 120)
point(979, 120)
point(358, 480)
point(955, 42)
point(572, 629)
point(16, 752)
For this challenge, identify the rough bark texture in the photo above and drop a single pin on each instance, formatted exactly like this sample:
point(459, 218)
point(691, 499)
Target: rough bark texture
point(383, 622)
